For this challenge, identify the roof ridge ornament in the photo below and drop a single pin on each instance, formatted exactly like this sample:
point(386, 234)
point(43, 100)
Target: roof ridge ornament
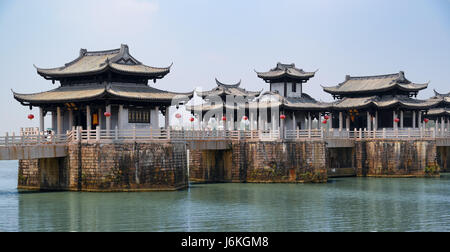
point(401, 76)
point(83, 52)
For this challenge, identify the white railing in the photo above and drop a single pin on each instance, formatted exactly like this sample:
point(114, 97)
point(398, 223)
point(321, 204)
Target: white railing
point(39, 138)
point(143, 135)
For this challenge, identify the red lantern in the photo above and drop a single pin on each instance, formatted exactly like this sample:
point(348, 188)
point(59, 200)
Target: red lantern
point(31, 116)
point(325, 122)
point(282, 117)
point(224, 118)
point(245, 118)
point(396, 120)
point(191, 119)
point(326, 117)
point(107, 114)
point(178, 116)
point(426, 120)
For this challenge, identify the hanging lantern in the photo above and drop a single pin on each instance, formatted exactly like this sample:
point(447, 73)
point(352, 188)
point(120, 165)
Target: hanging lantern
point(426, 120)
point(326, 117)
point(325, 121)
point(245, 118)
point(224, 118)
point(178, 115)
point(282, 117)
point(107, 114)
point(31, 116)
point(396, 120)
point(191, 119)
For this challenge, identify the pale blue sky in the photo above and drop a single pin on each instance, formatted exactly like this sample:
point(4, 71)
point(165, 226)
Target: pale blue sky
point(226, 39)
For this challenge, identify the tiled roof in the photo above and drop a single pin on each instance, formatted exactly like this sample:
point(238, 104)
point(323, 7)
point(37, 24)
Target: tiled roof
point(285, 71)
point(228, 89)
point(87, 92)
point(118, 60)
point(368, 84)
point(383, 102)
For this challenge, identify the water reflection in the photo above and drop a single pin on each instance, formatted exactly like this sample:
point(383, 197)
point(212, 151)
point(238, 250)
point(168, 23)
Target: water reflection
point(348, 204)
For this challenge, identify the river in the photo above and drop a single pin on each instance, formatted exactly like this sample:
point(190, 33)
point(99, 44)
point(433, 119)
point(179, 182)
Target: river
point(343, 204)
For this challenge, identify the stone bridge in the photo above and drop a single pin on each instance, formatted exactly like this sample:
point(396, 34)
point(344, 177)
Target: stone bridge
point(137, 160)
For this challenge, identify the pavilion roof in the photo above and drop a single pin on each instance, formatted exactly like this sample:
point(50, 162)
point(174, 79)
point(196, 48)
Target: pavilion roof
point(228, 89)
point(90, 92)
point(285, 72)
point(373, 84)
point(305, 102)
point(90, 63)
point(438, 112)
point(383, 102)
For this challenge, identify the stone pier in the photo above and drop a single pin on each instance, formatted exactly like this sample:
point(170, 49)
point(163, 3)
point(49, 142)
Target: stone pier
point(164, 165)
point(261, 162)
point(109, 167)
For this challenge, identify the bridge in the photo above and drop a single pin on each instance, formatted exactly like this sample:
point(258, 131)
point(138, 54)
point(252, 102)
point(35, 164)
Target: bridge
point(44, 145)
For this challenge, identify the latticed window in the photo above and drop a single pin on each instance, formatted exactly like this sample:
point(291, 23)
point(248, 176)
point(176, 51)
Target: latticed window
point(138, 116)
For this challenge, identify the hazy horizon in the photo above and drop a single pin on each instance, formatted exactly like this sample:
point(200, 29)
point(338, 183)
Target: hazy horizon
point(227, 40)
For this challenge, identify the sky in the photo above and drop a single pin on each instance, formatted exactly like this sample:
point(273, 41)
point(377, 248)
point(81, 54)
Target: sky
point(230, 39)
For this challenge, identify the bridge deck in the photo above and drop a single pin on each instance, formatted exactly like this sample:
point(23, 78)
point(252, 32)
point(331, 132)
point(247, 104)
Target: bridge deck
point(43, 145)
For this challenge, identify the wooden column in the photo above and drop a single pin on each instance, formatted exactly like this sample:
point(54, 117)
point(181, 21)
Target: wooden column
point(58, 121)
point(309, 121)
point(294, 122)
point(414, 119)
point(401, 119)
point(369, 121)
point(108, 119)
point(394, 116)
point(156, 119)
point(41, 119)
point(375, 123)
point(331, 120)
point(70, 119)
point(341, 121)
point(100, 116)
point(319, 121)
point(420, 120)
point(347, 122)
point(167, 121)
point(120, 117)
point(88, 117)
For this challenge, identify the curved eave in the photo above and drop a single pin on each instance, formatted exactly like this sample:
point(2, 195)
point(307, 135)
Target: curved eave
point(334, 91)
point(154, 75)
point(169, 96)
point(25, 98)
point(284, 75)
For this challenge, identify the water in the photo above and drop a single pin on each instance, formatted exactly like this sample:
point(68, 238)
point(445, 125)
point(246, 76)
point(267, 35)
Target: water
point(346, 204)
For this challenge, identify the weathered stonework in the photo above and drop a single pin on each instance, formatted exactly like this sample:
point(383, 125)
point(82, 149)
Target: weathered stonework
point(110, 167)
point(163, 166)
point(396, 158)
point(341, 162)
point(443, 154)
point(261, 162)
point(43, 174)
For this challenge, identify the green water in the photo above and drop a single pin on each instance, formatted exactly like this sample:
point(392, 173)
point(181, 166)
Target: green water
point(347, 204)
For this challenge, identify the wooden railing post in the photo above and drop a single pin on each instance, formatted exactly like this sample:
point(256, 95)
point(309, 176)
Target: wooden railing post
point(78, 134)
point(97, 133)
point(134, 132)
point(88, 133)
